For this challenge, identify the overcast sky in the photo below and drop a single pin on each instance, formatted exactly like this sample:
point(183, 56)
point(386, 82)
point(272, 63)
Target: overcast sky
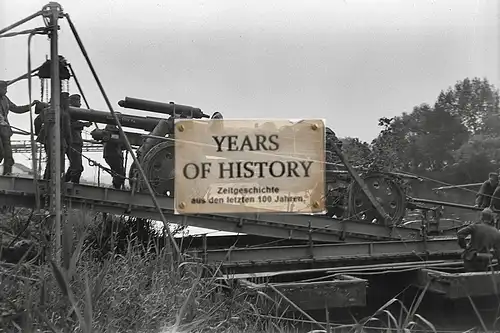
point(349, 62)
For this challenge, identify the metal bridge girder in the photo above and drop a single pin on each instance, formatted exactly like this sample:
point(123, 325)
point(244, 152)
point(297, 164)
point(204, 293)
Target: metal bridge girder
point(305, 227)
point(333, 252)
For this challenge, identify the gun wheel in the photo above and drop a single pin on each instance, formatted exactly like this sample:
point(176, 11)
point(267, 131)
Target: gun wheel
point(159, 166)
point(387, 192)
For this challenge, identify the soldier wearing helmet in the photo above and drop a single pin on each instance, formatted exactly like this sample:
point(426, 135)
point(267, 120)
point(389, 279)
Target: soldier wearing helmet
point(484, 238)
point(43, 135)
point(113, 155)
point(74, 151)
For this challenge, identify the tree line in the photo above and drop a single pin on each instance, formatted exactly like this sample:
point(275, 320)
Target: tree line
point(456, 140)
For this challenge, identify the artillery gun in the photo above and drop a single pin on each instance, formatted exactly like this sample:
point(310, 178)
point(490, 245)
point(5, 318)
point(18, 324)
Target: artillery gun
point(374, 197)
point(345, 197)
point(156, 150)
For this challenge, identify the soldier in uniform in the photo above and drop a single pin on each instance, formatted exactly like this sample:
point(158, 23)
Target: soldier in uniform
point(6, 105)
point(484, 238)
point(483, 197)
point(113, 155)
point(74, 151)
point(42, 134)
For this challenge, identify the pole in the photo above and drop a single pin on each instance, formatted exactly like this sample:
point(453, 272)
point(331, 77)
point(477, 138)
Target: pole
point(22, 77)
point(456, 186)
point(53, 12)
point(18, 23)
point(446, 204)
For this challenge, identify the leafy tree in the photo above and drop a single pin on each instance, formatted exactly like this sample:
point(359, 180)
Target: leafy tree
point(437, 133)
point(388, 149)
point(356, 151)
point(456, 139)
point(475, 102)
point(476, 158)
point(427, 138)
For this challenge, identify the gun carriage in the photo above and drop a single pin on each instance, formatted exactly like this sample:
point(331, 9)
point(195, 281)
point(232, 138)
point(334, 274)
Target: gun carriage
point(367, 195)
point(345, 198)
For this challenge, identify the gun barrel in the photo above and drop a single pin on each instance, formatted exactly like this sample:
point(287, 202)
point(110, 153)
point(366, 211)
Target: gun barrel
point(456, 186)
point(103, 135)
point(138, 122)
point(159, 107)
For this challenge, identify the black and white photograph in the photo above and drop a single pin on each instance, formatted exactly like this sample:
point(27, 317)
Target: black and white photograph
point(320, 166)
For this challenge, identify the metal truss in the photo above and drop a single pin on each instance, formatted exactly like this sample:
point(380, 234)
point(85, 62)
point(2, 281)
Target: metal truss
point(21, 192)
point(22, 146)
point(244, 260)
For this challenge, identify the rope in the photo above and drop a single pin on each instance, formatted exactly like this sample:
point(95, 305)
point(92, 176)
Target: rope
point(23, 132)
point(25, 32)
point(94, 163)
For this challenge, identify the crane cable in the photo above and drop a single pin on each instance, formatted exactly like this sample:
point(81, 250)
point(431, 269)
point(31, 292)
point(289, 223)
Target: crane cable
point(80, 89)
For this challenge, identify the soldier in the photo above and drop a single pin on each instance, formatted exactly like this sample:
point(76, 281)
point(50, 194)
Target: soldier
point(483, 197)
point(41, 131)
point(6, 105)
point(74, 151)
point(113, 155)
point(484, 238)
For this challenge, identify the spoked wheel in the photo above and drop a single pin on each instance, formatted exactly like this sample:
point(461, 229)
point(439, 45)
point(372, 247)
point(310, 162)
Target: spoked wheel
point(386, 191)
point(159, 166)
point(335, 199)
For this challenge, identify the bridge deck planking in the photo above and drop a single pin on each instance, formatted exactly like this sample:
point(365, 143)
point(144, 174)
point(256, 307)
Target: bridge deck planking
point(318, 228)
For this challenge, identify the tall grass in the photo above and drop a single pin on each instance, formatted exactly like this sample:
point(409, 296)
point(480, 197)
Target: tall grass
point(135, 289)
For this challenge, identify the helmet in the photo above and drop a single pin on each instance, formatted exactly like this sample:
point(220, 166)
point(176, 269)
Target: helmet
point(112, 128)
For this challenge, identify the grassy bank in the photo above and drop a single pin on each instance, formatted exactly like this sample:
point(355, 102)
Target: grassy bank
point(101, 286)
